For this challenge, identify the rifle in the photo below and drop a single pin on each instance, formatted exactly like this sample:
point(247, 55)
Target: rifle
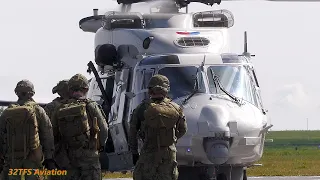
point(93, 69)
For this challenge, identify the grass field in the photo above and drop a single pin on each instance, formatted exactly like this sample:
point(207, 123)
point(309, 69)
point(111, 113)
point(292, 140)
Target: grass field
point(292, 153)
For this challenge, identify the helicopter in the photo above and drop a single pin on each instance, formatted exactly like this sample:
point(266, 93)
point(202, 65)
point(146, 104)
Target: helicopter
point(218, 90)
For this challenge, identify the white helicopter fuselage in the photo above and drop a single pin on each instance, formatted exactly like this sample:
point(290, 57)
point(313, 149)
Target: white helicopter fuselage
point(220, 131)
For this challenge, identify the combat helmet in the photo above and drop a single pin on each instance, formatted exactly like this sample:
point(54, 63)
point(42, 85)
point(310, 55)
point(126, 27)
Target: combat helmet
point(24, 86)
point(78, 82)
point(159, 83)
point(61, 88)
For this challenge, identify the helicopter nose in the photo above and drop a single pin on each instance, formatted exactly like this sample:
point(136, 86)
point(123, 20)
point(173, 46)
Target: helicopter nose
point(217, 150)
point(213, 126)
point(213, 119)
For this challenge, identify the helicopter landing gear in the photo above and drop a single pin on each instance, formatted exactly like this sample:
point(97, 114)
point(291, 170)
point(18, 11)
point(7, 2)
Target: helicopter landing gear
point(197, 173)
point(231, 173)
point(245, 174)
point(212, 173)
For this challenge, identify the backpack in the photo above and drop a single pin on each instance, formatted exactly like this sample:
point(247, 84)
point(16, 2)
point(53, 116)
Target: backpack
point(22, 129)
point(73, 123)
point(160, 123)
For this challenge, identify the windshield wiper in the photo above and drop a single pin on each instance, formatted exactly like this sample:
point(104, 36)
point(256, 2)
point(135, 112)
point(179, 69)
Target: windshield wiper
point(195, 88)
point(216, 80)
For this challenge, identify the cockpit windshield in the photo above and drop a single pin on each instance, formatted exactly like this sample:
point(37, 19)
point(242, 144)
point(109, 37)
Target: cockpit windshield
point(234, 79)
point(183, 80)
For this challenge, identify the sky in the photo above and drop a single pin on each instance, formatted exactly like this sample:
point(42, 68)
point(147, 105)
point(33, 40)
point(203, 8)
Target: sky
point(41, 41)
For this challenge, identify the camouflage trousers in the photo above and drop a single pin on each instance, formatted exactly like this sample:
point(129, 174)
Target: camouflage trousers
point(62, 160)
point(85, 165)
point(157, 166)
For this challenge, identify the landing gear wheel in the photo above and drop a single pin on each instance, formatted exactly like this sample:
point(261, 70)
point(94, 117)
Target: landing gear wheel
point(196, 173)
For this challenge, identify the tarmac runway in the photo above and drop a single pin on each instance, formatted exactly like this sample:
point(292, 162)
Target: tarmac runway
point(262, 178)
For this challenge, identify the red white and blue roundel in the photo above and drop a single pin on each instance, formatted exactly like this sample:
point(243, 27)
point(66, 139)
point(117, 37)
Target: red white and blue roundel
point(188, 33)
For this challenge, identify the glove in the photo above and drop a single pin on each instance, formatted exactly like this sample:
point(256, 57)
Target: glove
point(49, 164)
point(135, 158)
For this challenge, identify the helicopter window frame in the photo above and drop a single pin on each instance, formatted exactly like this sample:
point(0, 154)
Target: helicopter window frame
point(200, 75)
point(140, 84)
point(251, 84)
point(145, 82)
point(254, 87)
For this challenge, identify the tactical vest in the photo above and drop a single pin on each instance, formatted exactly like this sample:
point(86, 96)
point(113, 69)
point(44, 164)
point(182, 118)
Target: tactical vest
point(74, 124)
point(22, 130)
point(160, 120)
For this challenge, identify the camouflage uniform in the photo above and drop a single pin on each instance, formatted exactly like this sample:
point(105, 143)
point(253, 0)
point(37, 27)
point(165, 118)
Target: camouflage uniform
point(155, 163)
point(62, 89)
point(84, 160)
point(36, 157)
point(60, 154)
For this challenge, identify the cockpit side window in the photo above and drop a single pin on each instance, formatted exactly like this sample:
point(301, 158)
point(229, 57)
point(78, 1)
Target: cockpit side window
point(256, 92)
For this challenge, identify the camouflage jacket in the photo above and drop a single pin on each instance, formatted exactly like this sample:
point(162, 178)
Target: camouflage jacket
point(45, 130)
point(49, 108)
point(94, 111)
point(137, 131)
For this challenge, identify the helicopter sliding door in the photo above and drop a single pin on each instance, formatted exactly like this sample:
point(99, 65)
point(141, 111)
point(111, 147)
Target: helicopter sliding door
point(121, 159)
point(140, 82)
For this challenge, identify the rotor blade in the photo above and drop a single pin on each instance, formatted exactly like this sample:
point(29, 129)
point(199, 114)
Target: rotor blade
point(6, 103)
point(294, 0)
point(278, 0)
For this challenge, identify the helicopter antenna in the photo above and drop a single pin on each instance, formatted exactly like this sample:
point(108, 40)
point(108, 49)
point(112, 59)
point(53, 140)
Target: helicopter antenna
point(245, 42)
point(245, 52)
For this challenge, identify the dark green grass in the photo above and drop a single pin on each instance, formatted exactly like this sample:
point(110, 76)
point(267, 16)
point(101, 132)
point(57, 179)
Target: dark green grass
point(294, 138)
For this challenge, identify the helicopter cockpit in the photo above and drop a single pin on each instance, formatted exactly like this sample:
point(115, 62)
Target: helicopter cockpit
point(188, 78)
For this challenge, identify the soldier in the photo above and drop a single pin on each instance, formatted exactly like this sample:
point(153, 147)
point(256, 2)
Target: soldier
point(62, 89)
point(159, 122)
point(76, 123)
point(60, 154)
point(26, 131)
